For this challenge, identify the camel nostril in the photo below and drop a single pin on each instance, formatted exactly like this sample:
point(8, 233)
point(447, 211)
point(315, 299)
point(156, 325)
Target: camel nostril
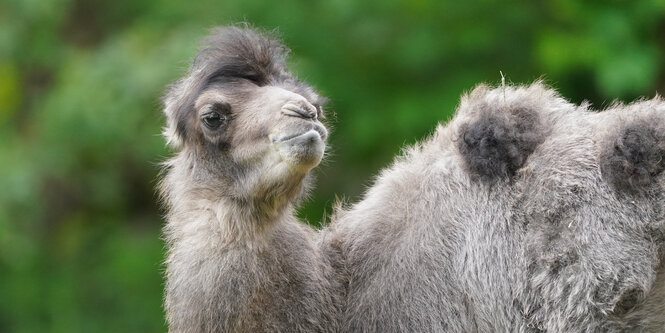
point(294, 110)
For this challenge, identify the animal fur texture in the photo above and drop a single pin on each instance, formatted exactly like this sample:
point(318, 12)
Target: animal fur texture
point(524, 213)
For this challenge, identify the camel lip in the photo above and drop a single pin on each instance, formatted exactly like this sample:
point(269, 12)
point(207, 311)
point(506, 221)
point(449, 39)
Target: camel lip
point(311, 133)
point(315, 132)
point(301, 150)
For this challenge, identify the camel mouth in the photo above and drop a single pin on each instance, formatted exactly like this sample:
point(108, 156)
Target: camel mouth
point(301, 149)
point(312, 133)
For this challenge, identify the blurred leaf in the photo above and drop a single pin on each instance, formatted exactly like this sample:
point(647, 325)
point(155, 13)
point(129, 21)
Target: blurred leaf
point(9, 91)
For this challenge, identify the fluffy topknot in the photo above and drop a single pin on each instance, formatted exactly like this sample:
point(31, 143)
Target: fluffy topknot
point(242, 52)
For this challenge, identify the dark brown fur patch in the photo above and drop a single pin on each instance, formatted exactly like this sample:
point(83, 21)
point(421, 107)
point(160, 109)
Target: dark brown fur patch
point(635, 159)
point(495, 146)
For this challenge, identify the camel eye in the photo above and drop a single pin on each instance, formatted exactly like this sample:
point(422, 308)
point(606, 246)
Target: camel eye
point(214, 120)
point(215, 115)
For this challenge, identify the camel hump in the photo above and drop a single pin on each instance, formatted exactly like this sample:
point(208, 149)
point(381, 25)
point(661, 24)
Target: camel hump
point(500, 127)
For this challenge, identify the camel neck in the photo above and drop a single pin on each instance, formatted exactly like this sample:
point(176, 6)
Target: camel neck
point(197, 211)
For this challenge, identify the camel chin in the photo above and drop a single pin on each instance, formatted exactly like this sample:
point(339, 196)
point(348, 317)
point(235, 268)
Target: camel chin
point(301, 150)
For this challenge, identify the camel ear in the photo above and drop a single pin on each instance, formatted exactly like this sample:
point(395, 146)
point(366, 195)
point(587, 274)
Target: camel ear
point(178, 108)
point(634, 159)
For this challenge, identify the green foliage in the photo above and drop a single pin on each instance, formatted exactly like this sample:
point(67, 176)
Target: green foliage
point(80, 83)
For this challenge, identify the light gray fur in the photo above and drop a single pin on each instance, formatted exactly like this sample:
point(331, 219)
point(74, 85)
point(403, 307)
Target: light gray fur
point(525, 213)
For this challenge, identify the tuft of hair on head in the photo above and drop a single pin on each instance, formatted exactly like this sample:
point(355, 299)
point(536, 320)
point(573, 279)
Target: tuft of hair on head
point(504, 127)
point(635, 158)
point(240, 51)
point(228, 53)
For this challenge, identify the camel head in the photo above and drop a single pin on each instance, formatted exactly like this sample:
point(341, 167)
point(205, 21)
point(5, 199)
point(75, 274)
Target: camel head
point(243, 124)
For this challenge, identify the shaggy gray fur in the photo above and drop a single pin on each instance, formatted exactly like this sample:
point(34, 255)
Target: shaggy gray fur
point(525, 213)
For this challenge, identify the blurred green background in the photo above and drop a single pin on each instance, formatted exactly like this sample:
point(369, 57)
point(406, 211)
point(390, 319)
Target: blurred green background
point(80, 85)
